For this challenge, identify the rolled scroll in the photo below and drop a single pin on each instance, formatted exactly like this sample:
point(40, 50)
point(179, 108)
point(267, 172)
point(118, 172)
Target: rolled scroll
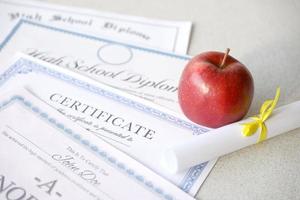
point(227, 139)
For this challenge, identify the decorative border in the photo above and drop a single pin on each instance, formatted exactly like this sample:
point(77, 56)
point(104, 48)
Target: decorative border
point(191, 176)
point(99, 16)
point(94, 38)
point(194, 172)
point(24, 66)
point(90, 146)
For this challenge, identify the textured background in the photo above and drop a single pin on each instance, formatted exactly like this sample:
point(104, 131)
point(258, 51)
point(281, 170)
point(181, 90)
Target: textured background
point(265, 36)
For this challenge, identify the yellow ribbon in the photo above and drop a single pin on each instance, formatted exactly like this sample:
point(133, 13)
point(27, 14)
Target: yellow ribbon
point(266, 110)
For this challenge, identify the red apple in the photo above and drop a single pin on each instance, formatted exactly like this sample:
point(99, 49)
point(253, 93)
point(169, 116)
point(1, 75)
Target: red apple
point(215, 89)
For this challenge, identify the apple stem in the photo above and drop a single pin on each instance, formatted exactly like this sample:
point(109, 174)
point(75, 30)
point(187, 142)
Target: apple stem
point(224, 58)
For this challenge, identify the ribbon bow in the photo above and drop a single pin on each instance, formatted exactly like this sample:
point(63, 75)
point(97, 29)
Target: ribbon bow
point(266, 110)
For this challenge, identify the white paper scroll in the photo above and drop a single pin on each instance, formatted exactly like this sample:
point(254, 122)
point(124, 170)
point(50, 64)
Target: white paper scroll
point(227, 139)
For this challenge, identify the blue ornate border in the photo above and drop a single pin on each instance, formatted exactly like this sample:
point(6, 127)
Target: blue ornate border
point(191, 176)
point(98, 16)
point(90, 146)
point(26, 66)
point(148, 50)
point(22, 67)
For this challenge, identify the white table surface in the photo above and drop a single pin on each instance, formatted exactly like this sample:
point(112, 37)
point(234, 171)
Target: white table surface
point(265, 36)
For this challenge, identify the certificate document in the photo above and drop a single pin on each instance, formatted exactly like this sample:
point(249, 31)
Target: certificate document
point(127, 122)
point(162, 34)
point(45, 156)
point(150, 74)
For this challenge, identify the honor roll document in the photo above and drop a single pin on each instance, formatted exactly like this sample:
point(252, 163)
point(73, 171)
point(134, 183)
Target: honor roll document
point(167, 35)
point(125, 121)
point(45, 156)
point(151, 74)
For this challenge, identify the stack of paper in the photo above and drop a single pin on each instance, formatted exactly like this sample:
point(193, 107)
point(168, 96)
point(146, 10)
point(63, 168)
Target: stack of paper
point(88, 102)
